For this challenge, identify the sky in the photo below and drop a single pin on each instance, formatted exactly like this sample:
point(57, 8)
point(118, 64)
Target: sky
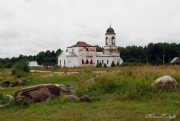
point(30, 26)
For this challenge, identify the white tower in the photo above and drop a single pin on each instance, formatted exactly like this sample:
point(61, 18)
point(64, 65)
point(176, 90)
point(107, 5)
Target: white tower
point(110, 47)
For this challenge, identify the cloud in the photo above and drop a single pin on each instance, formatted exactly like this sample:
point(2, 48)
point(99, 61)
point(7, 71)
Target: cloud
point(30, 26)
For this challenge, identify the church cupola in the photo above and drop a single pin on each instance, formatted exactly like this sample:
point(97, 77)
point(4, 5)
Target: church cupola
point(110, 31)
point(110, 47)
point(110, 36)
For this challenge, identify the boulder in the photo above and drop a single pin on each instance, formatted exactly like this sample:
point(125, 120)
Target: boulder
point(71, 97)
point(40, 93)
point(5, 84)
point(165, 82)
point(85, 98)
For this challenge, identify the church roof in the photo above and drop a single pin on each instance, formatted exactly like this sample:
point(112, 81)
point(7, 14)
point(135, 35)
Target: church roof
point(110, 31)
point(69, 54)
point(175, 60)
point(81, 44)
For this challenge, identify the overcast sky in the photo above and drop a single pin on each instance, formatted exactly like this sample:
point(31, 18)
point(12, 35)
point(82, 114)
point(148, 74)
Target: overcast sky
point(30, 26)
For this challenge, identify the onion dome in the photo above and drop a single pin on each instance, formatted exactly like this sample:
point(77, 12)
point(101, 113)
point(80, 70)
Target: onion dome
point(110, 31)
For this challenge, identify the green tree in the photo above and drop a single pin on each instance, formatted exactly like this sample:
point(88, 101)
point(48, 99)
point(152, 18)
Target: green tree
point(20, 68)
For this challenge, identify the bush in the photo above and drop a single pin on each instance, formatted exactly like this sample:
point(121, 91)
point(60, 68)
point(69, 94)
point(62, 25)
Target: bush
point(1, 96)
point(20, 68)
point(105, 65)
point(113, 64)
point(99, 65)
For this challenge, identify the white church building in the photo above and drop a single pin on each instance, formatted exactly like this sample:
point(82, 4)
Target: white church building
point(84, 55)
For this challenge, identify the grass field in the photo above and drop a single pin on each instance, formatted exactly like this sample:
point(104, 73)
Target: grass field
point(121, 93)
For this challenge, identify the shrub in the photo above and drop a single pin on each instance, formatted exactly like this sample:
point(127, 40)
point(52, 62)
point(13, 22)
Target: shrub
point(113, 64)
point(99, 65)
point(20, 68)
point(118, 64)
point(1, 96)
point(105, 65)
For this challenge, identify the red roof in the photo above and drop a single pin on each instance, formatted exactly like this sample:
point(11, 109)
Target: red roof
point(81, 44)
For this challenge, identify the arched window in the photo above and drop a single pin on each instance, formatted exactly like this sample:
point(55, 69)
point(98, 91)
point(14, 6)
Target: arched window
point(113, 40)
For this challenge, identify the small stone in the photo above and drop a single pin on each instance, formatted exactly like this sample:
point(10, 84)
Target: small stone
point(71, 97)
point(85, 98)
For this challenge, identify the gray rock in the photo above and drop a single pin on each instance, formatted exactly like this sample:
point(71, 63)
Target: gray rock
point(71, 97)
point(165, 82)
point(94, 79)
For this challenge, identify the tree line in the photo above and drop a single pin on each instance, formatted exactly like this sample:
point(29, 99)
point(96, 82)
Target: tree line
point(45, 58)
point(152, 54)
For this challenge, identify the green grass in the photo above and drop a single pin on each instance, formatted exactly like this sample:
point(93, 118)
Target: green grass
point(123, 93)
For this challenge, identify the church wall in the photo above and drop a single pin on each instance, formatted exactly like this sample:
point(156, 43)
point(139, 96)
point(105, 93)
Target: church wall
point(108, 60)
point(72, 62)
point(87, 56)
point(62, 60)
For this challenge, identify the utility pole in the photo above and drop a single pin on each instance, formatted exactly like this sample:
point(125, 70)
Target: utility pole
point(163, 58)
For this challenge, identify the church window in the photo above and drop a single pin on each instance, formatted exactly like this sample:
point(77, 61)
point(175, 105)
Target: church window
point(82, 61)
point(107, 61)
point(86, 61)
point(113, 40)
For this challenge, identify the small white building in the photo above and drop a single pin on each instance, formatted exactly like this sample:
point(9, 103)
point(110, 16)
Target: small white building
point(33, 64)
point(82, 54)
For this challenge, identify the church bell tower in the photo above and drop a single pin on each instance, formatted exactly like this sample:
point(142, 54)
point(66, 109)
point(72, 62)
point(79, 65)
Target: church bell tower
point(110, 47)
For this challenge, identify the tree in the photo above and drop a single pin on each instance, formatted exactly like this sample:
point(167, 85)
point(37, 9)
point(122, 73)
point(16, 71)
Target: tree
point(99, 49)
point(20, 68)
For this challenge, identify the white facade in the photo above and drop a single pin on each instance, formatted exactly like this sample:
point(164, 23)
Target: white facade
point(83, 54)
point(33, 64)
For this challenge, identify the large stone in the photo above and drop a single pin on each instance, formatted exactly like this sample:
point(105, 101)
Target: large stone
point(165, 82)
point(41, 93)
point(71, 97)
